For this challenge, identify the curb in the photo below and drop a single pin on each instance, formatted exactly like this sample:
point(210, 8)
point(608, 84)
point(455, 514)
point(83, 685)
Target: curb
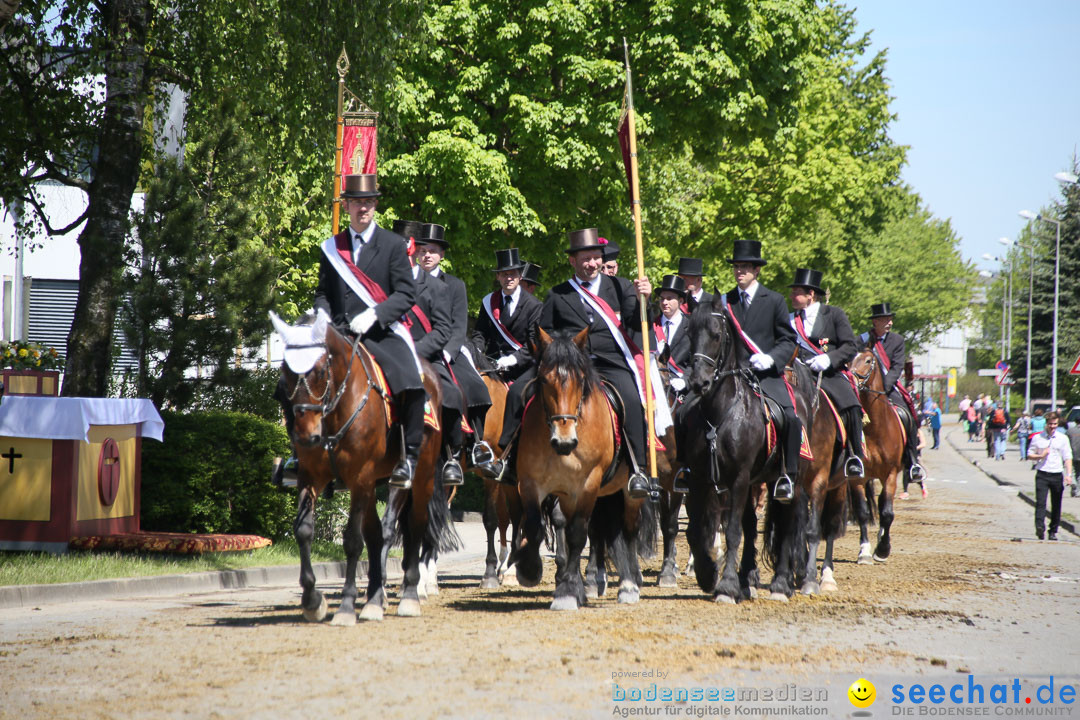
point(14, 596)
point(1023, 495)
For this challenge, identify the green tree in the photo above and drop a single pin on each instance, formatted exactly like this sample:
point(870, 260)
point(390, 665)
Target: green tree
point(199, 284)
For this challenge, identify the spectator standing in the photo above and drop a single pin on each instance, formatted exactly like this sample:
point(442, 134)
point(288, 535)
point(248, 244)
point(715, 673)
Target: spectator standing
point(1038, 423)
point(963, 408)
point(935, 425)
point(1074, 441)
point(972, 418)
point(1053, 470)
point(1022, 428)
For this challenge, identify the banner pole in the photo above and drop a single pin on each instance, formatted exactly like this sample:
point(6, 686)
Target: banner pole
point(635, 203)
point(342, 68)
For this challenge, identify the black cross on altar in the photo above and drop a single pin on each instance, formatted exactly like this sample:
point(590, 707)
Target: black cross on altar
point(10, 456)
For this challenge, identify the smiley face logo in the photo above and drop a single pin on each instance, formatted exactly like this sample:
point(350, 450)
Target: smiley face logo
point(862, 693)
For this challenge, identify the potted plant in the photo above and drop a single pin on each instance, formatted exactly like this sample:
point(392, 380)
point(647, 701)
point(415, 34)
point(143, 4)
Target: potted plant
point(29, 368)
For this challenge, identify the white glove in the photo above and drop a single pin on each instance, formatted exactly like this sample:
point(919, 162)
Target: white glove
point(363, 322)
point(506, 361)
point(761, 361)
point(820, 363)
point(678, 384)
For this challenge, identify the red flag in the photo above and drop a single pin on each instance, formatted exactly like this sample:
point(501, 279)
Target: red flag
point(359, 142)
point(624, 143)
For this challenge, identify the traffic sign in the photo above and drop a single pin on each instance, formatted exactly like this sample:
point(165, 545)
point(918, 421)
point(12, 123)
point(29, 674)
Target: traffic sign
point(1076, 367)
point(1005, 379)
point(1002, 365)
point(988, 372)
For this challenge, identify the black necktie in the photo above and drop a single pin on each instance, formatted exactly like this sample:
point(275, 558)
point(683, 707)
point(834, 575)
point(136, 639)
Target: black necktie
point(508, 304)
point(667, 330)
point(745, 299)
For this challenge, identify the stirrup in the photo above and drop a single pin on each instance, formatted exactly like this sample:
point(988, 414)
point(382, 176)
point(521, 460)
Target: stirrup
point(402, 476)
point(452, 475)
point(482, 454)
point(784, 490)
point(854, 467)
point(638, 485)
point(917, 473)
point(501, 472)
point(680, 482)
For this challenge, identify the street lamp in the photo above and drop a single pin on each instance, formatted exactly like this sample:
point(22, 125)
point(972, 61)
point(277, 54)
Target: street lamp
point(1031, 286)
point(1006, 299)
point(1028, 215)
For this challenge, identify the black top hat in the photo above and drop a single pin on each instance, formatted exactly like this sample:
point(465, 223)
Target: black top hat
point(611, 250)
point(691, 266)
point(407, 228)
point(672, 283)
point(881, 310)
point(433, 234)
point(531, 273)
point(507, 260)
point(359, 186)
point(747, 251)
point(587, 239)
point(807, 278)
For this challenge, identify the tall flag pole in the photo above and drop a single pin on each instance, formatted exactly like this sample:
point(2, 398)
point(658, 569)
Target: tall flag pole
point(356, 139)
point(628, 143)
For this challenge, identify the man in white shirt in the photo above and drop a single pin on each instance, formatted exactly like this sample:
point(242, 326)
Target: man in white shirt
point(1052, 472)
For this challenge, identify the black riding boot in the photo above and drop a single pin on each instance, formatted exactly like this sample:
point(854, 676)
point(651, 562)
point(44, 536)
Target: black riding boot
point(853, 466)
point(784, 490)
point(411, 417)
point(452, 474)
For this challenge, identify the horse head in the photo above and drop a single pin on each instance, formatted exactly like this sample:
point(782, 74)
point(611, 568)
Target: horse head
point(565, 379)
point(863, 367)
point(712, 344)
point(313, 349)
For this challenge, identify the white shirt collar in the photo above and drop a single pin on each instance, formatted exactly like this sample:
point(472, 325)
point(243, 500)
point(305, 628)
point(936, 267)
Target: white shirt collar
point(751, 291)
point(434, 272)
point(811, 313)
point(594, 284)
point(675, 320)
point(360, 239)
point(514, 296)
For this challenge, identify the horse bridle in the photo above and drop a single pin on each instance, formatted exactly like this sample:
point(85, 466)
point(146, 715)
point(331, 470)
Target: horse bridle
point(863, 380)
point(330, 442)
point(719, 374)
point(552, 419)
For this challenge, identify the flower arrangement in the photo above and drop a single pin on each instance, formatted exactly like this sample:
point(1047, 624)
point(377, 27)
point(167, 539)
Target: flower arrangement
point(22, 355)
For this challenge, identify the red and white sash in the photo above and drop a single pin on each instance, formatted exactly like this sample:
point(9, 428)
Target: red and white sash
point(494, 313)
point(338, 250)
point(806, 342)
point(635, 359)
point(661, 341)
point(879, 351)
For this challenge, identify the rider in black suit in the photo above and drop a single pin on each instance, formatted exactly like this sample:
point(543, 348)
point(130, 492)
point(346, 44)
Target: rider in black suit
point(763, 316)
point(889, 348)
point(431, 247)
point(565, 309)
point(692, 270)
point(511, 355)
point(827, 344)
point(671, 327)
point(381, 257)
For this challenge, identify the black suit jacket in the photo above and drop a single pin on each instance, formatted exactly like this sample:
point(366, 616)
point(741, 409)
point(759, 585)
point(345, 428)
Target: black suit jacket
point(894, 350)
point(832, 324)
point(522, 326)
point(433, 298)
point(680, 342)
point(767, 323)
point(564, 310)
point(458, 299)
point(385, 261)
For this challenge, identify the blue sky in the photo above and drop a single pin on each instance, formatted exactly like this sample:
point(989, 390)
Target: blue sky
point(987, 96)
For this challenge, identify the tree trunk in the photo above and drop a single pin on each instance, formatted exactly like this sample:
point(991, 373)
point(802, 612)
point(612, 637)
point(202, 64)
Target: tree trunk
point(116, 174)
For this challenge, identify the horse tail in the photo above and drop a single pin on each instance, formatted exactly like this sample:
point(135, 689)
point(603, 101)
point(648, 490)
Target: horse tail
point(441, 532)
point(781, 520)
point(834, 514)
point(648, 523)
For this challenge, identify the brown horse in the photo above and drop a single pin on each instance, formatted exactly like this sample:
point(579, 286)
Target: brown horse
point(341, 433)
point(826, 487)
point(567, 442)
point(502, 506)
point(883, 439)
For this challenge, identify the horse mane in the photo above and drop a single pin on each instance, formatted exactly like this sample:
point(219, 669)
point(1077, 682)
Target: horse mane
point(480, 359)
point(563, 357)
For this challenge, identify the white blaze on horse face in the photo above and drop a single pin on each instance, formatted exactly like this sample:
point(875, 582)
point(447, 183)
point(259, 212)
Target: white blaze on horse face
point(304, 344)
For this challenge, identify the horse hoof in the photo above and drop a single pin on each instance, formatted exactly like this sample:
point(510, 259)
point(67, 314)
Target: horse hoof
point(629, 596)
point(751, 593)
point(880, 558)
point(828, 582)
point(344, 619)
point(489, 583)
point(667, 581)
point(408, 608)
point(509, 577)
point(726, 599)
point(372, 611)
point(829, 586)
point(318, 614)
point(591, 592)
point(810, 588)
point(566, 602)
point(778, 596)
point(433, 588)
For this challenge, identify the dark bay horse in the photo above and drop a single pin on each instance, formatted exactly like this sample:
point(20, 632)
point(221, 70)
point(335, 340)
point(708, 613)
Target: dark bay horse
point(567, 443)
point(727, 450)
point(341, 432)
point(883, 439)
